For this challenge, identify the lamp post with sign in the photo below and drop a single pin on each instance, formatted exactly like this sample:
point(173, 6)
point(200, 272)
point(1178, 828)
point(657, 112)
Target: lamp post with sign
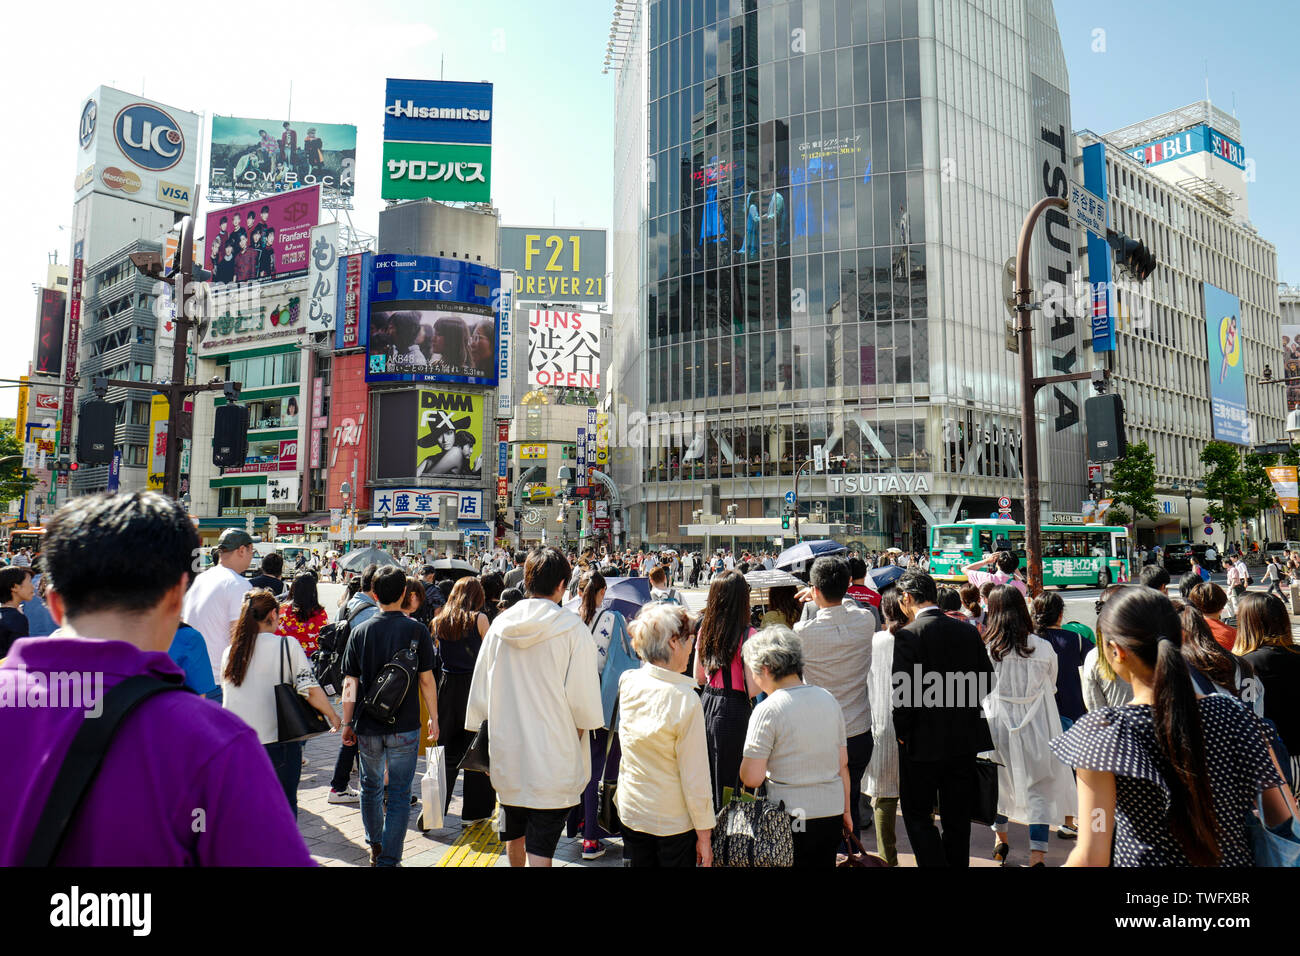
point(1088, 210)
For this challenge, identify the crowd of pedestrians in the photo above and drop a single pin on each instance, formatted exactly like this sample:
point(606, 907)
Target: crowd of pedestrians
point(1164, 729)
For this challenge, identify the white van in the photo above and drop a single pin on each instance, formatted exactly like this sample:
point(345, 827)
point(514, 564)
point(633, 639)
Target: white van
point(1276, 549)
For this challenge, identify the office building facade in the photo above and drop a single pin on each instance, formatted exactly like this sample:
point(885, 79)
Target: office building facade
point(813, 201)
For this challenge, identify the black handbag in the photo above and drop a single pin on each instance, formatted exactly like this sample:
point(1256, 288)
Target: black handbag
point(295, 718)
point(476, 758)
point(984, 803)
point(606, 812)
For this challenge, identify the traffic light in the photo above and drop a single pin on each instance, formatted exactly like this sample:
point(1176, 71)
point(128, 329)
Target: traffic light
point(1131, 255)
point(95, 437)
point(230, 435)
point(785, 522)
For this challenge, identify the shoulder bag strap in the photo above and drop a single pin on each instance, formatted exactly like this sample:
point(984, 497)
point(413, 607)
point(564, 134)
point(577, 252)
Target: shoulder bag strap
point(284, 655)
point(82, 763)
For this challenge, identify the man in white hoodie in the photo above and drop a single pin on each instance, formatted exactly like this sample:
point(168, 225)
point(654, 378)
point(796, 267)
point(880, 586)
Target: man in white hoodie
point(535, 683)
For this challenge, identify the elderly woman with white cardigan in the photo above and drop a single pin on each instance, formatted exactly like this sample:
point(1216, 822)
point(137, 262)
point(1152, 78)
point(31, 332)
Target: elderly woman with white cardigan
point(664, 796)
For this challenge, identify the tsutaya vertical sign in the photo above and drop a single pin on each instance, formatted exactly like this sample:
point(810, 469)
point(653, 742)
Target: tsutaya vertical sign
point(322, 278)
point(1057, 335)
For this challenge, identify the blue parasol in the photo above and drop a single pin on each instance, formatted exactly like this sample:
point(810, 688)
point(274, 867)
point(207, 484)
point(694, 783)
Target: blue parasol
point(807, 551)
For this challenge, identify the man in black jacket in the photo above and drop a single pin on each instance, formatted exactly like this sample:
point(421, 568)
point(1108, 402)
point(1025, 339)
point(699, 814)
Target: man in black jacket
point(941, 672)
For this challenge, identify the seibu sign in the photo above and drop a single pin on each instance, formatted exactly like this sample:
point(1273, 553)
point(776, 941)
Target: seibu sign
point(908, 483)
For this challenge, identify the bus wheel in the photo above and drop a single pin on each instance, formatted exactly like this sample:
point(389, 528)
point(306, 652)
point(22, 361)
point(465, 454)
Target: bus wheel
point(1103, 579)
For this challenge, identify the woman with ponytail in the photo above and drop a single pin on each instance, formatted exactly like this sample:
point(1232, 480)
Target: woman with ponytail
point(1170, 779)
point(250, 669)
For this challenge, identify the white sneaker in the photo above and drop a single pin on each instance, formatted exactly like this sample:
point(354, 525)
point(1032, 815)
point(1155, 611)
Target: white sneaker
point(349, 795)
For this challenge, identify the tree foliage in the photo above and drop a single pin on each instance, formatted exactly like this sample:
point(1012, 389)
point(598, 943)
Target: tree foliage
point(13, 484)
point(1258, 490)
point(1133, 482)
point(1226, 487)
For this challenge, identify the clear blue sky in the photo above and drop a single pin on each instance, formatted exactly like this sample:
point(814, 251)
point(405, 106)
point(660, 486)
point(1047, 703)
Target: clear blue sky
point(554, 123)
point(1156, 59)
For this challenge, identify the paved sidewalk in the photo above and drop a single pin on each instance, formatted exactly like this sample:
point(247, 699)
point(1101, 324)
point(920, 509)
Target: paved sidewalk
point(335, 836)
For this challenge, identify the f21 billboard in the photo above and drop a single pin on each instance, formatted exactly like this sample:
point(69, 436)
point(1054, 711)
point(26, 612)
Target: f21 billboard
point(432, 320)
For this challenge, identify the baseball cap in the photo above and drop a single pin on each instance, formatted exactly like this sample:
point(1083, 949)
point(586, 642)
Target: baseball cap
point(233, 539)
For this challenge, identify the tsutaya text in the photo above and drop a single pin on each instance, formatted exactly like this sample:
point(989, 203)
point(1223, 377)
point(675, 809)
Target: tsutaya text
point(903, 482)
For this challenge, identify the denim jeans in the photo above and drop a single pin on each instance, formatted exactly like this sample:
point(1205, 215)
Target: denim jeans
point(385, 811)
point(286, 759)
point(1038, 832)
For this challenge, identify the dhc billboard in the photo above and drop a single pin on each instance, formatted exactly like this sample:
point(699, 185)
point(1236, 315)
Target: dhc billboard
point(432, 319)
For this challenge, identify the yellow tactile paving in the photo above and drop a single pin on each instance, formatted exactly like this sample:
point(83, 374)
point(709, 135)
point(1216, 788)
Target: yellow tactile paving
point(476, 846)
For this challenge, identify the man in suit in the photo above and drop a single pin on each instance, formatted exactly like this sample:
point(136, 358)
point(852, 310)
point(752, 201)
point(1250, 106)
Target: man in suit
point(937, 721)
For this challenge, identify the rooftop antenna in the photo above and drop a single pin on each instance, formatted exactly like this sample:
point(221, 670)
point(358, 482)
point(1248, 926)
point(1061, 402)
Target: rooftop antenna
point(442, 66)
point(289, 115)
point(1207, 82)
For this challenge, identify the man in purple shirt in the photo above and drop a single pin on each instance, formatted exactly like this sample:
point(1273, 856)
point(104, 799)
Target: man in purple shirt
point(183, 782)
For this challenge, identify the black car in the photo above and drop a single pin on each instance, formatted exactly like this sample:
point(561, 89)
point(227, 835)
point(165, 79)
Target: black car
point(1178, 558)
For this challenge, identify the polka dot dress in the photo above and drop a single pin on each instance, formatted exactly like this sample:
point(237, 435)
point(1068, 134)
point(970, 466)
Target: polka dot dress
point(1122, 741)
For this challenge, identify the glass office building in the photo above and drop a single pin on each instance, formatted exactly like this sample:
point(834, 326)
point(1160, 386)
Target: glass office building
point(813, 200)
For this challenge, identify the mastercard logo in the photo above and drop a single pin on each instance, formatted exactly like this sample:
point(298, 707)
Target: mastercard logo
point(124, 180)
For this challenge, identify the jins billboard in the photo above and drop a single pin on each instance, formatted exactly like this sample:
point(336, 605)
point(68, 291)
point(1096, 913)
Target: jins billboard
point(432, 320)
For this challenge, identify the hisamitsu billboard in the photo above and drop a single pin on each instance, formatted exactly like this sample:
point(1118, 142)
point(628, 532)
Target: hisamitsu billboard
point(438, 111)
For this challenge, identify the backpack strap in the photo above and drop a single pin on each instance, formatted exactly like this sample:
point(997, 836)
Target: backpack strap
point(83, 760)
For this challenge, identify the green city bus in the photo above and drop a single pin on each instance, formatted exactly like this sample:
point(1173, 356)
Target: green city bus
point(1089, 555)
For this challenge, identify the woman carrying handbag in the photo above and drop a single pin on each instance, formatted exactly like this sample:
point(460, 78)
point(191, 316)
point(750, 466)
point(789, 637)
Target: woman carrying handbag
point(255, 664)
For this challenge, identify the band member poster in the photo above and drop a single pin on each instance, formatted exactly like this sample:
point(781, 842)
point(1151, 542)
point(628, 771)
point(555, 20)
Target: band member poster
point(278, 155)
point(449, 435)
point(262, 240)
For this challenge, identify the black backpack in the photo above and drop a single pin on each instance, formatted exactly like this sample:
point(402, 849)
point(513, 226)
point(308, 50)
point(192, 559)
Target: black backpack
point(327, 662)
point(394, 682)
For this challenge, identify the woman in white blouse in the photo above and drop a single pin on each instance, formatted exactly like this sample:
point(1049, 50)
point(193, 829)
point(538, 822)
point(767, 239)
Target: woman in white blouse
point(665, 795)
point(881, 780)
point(1033, 786)
point(250, 669)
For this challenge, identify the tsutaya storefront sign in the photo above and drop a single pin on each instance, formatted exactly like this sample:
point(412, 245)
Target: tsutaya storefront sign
point(907, 483)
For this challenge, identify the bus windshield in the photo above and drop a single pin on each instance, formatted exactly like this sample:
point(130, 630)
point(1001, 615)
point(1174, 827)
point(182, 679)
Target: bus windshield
point(951, 539)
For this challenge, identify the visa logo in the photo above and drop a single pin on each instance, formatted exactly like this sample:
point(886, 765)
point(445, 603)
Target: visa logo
point(172, 193)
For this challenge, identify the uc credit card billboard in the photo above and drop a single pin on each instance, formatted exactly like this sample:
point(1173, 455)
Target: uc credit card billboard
point(138, 149)
point(432, 320)
point(1223, 335)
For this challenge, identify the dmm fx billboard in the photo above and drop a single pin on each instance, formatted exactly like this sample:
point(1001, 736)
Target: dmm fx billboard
point(1198, 139)
point(264, 239)
point(437, 141)
point(137, 149)
point(424, 503)
point(555, 265)
point(449, 435)
point(271, 156)
point(432, 320)
point(1223, 337)
point(563, 348)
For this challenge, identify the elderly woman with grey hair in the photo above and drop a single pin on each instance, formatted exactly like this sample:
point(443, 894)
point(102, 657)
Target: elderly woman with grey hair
point(664, 796)
point(796, 744)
